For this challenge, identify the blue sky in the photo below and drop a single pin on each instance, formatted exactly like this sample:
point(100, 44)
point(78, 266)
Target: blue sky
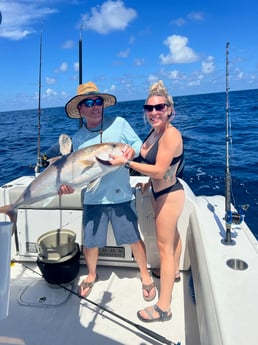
point(127, 45)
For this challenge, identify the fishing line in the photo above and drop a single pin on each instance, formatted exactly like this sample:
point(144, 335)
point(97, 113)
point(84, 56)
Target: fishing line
point(145, 330)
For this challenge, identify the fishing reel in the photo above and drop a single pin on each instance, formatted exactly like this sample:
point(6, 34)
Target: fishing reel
point(234, 218)
point(44, 161)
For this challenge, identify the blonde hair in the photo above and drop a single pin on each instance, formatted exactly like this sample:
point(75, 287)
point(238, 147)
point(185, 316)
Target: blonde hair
point(158, 89)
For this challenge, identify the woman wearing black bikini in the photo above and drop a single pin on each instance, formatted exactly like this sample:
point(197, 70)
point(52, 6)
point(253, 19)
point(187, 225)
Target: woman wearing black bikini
point(161, 158)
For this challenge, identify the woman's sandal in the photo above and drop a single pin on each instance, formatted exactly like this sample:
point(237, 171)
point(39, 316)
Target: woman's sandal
point(156, 273)
point(149, 288)
point(177, 278)
point(163, 315)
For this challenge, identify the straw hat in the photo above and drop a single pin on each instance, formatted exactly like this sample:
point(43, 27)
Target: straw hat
point(83, 92)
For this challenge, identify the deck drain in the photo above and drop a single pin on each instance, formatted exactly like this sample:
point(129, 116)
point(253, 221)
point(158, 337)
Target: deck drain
point(237, 264)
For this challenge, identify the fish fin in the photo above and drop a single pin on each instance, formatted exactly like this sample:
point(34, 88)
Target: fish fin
point(11, 212)
point(48, 200)
point(87, 163)
point(93, 184)
point(103, 161)
point(53, 160)
point(65, 144)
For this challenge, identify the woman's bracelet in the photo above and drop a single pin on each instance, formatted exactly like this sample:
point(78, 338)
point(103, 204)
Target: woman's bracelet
point(127, 164)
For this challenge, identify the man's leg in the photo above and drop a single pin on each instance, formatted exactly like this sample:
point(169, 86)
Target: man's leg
point(139, 252)
point(91, 258)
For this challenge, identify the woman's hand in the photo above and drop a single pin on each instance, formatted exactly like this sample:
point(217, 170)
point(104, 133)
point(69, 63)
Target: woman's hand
point(65, 189)
point(117, 160)
point(121, 160)
point(129, 153)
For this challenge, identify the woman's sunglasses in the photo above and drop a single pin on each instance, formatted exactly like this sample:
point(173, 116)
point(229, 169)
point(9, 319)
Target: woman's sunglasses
point(91, 102)
point(157, 107)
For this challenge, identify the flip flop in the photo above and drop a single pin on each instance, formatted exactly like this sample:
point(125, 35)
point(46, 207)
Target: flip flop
point(163, 315)
point(148, 288)
point(87, 285)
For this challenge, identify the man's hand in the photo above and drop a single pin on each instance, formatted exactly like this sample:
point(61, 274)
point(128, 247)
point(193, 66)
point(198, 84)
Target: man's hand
point(65, 189)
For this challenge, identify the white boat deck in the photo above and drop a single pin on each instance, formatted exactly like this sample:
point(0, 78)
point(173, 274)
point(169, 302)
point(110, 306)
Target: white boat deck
point(226, 294)
point(40, 314)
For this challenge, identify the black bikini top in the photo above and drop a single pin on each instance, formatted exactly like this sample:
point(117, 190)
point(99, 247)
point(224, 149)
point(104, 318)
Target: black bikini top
point(152, 154)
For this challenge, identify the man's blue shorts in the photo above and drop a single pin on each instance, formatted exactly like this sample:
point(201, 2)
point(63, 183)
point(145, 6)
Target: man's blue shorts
point(122, 217)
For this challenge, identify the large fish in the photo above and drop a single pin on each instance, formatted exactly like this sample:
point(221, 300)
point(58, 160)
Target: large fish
point(77, 169)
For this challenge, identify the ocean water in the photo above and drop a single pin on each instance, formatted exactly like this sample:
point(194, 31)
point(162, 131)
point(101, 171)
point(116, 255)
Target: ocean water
point(202, 122)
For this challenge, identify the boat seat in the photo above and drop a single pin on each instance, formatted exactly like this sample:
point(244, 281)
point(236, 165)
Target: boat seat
point(146, 222)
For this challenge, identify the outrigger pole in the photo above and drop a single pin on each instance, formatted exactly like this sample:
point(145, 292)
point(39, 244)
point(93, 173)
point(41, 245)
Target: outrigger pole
point(39, 162)
point(80, 57)
point(80, 66)
point(230, 217)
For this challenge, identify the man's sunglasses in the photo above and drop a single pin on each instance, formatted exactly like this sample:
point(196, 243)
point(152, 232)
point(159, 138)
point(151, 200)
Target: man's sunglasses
point(91, 102)
point(157, 107)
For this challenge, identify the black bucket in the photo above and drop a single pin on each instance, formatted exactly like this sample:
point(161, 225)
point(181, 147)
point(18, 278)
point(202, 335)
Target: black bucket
point(62, 271)
point(56, 244)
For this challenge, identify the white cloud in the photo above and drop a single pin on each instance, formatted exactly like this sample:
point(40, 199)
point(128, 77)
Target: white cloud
point(76, 66)
point(173, 74)
point(196, 16)
point(139, 62)
point(50, 80)
point(179, 52)
point(19, 16)
point(112, 88)
point(179, 22)
point(110, 16)
point(50, 92)
point(193, 16)
point(64, 94)
point(124, 53)
point(68, 44)
point(132, 40)
point(194, 82)
point(240, 75)
point(62, 68)
point(252, 78)
point(208, 65)
point(152, 78)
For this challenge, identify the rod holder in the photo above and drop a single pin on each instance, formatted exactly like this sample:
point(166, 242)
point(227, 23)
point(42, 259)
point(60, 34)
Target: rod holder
point(228, 239)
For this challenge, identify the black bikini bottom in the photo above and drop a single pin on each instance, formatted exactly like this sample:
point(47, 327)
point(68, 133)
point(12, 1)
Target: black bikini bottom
point(173, 188)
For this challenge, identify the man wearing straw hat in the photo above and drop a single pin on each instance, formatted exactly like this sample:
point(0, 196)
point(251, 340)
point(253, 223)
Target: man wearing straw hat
point(112, 199)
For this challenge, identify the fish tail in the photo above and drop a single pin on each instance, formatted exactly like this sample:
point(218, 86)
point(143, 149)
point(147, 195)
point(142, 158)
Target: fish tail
point(11, 212)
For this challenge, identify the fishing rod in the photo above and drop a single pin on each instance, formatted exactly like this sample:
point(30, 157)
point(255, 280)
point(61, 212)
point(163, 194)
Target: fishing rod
point(230, 217)
point(39, 159)
point(145, 330)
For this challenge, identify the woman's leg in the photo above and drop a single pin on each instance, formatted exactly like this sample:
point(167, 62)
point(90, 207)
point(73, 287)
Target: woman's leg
point(167, 211)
